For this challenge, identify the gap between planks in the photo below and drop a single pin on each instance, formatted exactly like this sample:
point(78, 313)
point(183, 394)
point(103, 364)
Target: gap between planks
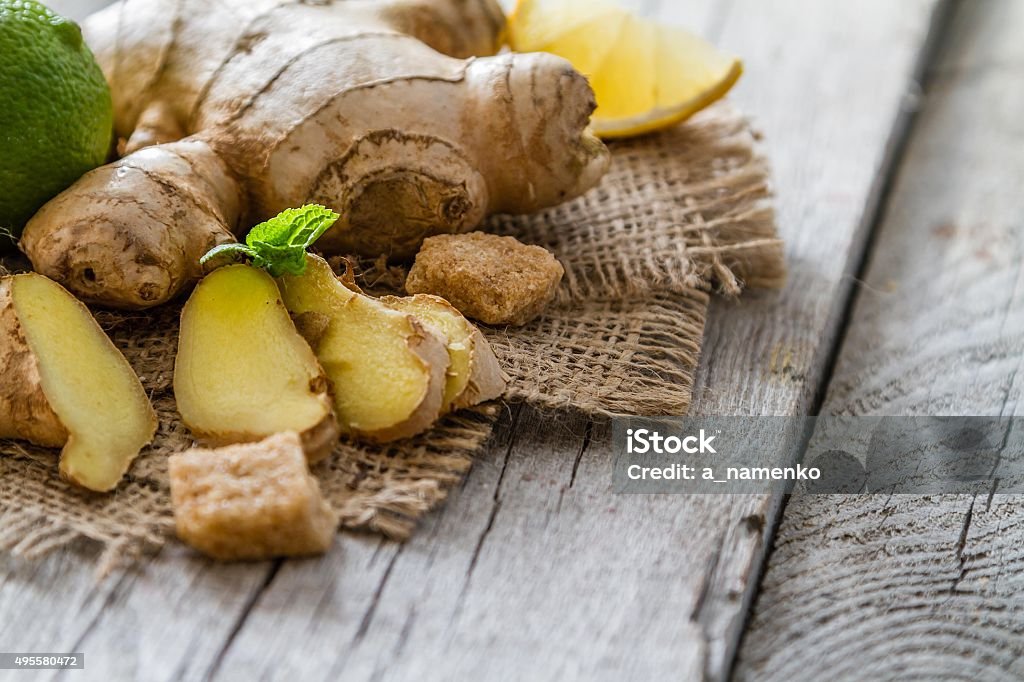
point(882, 586)
point(880, 197)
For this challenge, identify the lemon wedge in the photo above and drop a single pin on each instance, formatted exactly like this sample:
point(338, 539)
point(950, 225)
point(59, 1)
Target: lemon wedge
point(646, 76)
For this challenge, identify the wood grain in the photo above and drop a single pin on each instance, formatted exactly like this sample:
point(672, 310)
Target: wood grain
point(832, 140)
point(534, 570)
point(878, 587)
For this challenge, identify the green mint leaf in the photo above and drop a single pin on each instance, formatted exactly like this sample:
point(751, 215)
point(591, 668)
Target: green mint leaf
point(279, 260)
point(280, 244)
point(294, 227)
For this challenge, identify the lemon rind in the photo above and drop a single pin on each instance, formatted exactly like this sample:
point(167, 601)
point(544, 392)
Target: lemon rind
point(665, 117)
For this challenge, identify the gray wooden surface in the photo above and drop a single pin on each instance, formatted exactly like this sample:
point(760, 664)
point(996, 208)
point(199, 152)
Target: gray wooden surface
point(876, 587)
point(534, 570)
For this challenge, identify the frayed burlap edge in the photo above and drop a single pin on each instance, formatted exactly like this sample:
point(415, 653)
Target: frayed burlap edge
point(681, 214)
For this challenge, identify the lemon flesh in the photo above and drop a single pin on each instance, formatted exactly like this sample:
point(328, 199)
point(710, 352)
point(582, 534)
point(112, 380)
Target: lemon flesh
point(646, 76)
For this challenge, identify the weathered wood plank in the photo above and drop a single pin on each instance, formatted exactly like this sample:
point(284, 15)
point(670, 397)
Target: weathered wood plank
point(157, 633)
point(880, 587)
point(534, 570)
point(166, 619)
point(832, 86)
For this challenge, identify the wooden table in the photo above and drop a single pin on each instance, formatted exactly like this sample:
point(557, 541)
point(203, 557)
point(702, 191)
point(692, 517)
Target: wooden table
point(897, 137)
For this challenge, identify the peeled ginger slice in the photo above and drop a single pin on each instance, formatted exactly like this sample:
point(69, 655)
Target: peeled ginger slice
point(87, 384)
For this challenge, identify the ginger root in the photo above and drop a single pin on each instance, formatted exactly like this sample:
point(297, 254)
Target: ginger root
point(159, 209)
point(249, 502)
point(387, 368)
point(243, 372)
point(374, 109)
point(64, 384)
point(474, 375)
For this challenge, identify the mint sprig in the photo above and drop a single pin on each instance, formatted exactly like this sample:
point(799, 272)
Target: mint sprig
point(279, 245)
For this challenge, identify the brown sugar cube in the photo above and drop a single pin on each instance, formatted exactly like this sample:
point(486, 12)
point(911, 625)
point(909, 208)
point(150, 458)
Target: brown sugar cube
point(497, 280)
point(250, 501)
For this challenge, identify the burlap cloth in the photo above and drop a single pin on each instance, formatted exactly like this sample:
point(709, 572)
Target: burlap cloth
point(681, 214)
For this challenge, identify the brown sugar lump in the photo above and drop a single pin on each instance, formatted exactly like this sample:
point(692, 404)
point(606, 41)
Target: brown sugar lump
point(497, 280)
point(251, 501)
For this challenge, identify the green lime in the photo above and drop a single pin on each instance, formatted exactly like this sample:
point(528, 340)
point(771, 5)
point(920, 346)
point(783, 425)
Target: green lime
point(56, 116)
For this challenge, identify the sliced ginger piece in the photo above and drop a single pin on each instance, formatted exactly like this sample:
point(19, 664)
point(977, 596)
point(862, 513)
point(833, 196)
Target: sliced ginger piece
point(388, 369)
point(251, 501)
point(63, 383)
point(474, 375)
point(243, 372)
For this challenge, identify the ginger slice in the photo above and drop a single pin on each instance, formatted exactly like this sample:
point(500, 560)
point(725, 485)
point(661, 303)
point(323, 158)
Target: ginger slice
point(64, 383)
point(474, 375)
point(251, 501)
point(388, 369)
point(243, 372)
